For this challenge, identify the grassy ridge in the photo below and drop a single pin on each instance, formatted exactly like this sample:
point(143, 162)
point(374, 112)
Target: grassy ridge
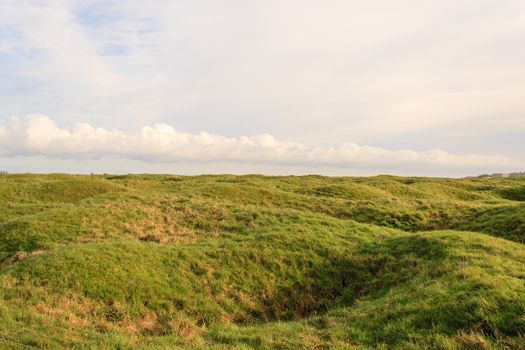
point(255, 262)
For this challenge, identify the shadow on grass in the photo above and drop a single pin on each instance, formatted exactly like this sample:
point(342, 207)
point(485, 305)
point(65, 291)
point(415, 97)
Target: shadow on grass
point(505, 221)
point(372, 270)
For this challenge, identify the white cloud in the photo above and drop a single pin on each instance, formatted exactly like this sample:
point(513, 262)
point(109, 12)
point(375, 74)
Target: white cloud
point(39, 135)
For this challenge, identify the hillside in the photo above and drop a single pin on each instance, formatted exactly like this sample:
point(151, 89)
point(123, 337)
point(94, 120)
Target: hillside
point(242, 262)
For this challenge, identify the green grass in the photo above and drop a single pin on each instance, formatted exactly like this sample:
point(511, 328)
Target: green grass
point(253, 262)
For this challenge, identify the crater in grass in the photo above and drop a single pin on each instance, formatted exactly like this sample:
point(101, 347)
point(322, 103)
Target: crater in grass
point(513, 193)
point(241, 283)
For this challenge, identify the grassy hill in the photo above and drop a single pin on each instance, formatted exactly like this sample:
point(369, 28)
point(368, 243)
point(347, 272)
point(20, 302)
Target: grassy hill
point(220, 262)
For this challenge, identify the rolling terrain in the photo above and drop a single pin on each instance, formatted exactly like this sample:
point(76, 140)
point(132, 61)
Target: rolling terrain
point(254, 262)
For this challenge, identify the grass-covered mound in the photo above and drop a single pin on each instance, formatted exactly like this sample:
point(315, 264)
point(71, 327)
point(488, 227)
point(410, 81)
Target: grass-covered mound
point(219, 262)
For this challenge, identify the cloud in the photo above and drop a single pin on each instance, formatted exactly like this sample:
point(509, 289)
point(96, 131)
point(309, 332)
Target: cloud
point(39, 135)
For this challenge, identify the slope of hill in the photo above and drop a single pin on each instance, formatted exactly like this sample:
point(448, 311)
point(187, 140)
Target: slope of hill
point(153, 262)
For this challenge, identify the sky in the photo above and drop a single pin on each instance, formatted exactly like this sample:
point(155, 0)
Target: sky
point(335, 87)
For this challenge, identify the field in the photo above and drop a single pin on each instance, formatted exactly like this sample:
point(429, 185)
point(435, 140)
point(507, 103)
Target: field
point(253, 262)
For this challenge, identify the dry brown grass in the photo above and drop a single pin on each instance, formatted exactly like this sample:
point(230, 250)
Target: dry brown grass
point(20, 256)
point(471, 341)
point(77, 312)
point(186, 329)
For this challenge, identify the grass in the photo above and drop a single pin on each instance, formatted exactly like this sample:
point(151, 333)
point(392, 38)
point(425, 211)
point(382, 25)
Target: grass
point(253, 262)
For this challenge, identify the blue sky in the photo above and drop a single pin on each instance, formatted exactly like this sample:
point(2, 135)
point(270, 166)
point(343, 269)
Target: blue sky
point(277, 86)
